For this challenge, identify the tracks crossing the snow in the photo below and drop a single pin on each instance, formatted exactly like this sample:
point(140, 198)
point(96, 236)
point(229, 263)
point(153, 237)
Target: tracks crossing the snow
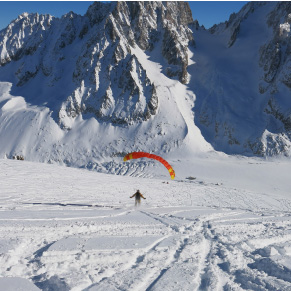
point(218, 249)
point(208, 237)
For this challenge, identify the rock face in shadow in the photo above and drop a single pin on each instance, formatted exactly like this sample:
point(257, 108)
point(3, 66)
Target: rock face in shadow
point(243, 104)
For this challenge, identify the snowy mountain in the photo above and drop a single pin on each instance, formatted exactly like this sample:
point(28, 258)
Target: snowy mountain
point(84, 90)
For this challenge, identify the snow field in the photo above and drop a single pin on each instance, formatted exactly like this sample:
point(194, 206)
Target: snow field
point(71, 229)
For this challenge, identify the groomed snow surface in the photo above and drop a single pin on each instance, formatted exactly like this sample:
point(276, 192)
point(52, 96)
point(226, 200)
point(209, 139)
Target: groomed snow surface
point(73, 229)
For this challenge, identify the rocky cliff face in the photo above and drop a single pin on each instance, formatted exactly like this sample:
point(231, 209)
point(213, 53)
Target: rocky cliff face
point(23, 36)
point(89, 58)
point(275, 59)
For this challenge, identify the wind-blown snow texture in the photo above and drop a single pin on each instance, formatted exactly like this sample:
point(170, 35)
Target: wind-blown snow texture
point(72, 229)
point(80, 90)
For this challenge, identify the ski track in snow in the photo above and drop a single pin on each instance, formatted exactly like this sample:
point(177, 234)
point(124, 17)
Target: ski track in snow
point(70, 229)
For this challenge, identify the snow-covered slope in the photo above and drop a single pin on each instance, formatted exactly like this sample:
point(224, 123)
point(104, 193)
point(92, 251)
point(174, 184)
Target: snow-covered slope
point(72, 229)
point(32, 132)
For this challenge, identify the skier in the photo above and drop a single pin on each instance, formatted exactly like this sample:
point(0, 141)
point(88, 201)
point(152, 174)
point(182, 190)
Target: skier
point(137, 195)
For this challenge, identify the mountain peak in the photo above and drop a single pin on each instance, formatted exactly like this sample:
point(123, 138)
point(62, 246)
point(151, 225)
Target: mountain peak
point(98, 11)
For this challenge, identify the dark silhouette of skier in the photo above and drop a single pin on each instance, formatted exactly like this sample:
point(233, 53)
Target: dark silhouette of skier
point(137, 196)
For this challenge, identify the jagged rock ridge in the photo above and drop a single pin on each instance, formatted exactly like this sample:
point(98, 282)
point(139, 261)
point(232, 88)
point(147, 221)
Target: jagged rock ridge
point(90, 58)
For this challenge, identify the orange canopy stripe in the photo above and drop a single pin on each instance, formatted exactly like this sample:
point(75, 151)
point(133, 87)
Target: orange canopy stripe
point(138, 155)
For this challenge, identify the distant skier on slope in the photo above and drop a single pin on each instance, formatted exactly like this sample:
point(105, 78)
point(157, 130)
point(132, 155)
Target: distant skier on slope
point(137, 195)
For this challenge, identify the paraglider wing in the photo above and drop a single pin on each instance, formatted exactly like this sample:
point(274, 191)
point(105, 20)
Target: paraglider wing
point(138, 155)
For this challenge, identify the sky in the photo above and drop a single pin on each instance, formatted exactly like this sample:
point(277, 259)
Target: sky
point(207, 13)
